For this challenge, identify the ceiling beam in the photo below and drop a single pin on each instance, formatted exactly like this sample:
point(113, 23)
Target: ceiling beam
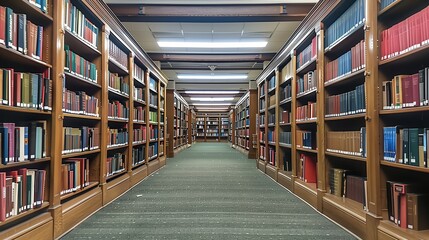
point(211, 13)
point(217, 68)
point(176, 57)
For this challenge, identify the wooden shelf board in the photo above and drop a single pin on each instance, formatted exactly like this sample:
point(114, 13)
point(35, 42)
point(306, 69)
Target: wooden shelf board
point(271, 107)
point(269, 91)
point(80, 80)
point(153, 90)
point(393, 230)
point(285, 124)
point(121, 172)
point(306, 94)
point(345, 156)
point(24, 110)
point(272, 144)
point(345, 117)
point(110, 148)
point(79, 191)
point(17, 58)
point(347, 205)
point(116, 93)
point(308, 66)
point(306, 150)
point(404, 110)
point(22, 215)
point(117, 120)
point(81, 116)
point(285, 101)
point(286, 80)
point(311, 187)
point(306, 122)
point(139, 102)
point(139, 123)
point(412, 56)
point(285, 145)
point(78, 154)
point(404, 166)
point(139, 164)
point(116, 67)
point(340, 43)
point(138, 144)
point(30, 10)
point(348, 78)
point(139, 81)
point(25, 163)
point(81, 46)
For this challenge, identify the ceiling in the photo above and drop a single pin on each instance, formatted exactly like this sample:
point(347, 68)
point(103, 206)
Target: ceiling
point(196, 21)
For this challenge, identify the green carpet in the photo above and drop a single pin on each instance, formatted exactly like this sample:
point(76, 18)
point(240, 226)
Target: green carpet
point(209, 191)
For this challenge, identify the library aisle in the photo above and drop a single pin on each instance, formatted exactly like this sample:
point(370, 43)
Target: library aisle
point(209, 191)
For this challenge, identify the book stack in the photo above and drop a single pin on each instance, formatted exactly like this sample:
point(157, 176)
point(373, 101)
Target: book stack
point(271, 83)
point(117, 137)
point(287, 71)
point(80, 103)
point(153, 100)
point(139, 154)
point(262, 153)
point(118, 84)
point(138, 73)
point(153, 150)
point(118, 110)
point(307, 112)
point(285, 137)
point(115, 164)
point(307, 83)
point(117, 54)
point(26, 90)
point(80, 139)
point(153, 84)
point(153, 116)
point(79, 66)
point(153, 132)
point(348, 103)
point(284, 117)
point(286, 92)
point(139, 134)
point(347, 142)
point(344, 184)
point(307, 168)
point(308, 54)
point(75, 174)
point(139, 114)
point(139, 94)
point(21, 190)
point(385, 3)
point(271, 118)
point(271, 136)
point(271, 156)
point(306, 139)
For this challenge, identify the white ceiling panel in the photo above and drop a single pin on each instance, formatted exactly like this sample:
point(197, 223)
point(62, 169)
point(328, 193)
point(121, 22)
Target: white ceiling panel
point(197, 27)
point(203, 2)
point(195, 37)
point(228, 27)
point(165, 27)
point(260, 26)
point(287, 26)
point(226, 36)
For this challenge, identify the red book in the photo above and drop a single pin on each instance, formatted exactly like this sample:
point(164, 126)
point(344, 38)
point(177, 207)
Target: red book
point(2, 24)
point(310, 169)
point(2, 196)
point(415, 88)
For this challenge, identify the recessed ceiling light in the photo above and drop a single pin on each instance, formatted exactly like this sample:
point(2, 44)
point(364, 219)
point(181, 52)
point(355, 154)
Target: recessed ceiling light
point(214, 77)
point(212, 92)
point(212, 99)
point(167, 44)
point(212, 104)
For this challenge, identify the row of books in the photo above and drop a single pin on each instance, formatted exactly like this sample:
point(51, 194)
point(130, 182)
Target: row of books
point(406, 145)
point(115, 164)
point(271, 118)
point(117, 136)
point(262, 152)
point(79, 66)
point(306, 112)
point(261, 136)
point(27, 90)
point(306, 139)
point(21, 190)
point(272, 101)
point(40, 4)
point(139, 94)
point(287, 71)
point(80, 103)
point(75, 174)
point(153, 133)
point(118, 110)
point(80, 139)
point(17, 33)
point(285, 117)
point(307, 83)
point(271, 156)
point(212, 122)
point(139, 73)
point(271, 136)
point(308, 54)
point(407, 90)
point(285, 92)
point(307, 168)
point(22, 141)
point(348, 103)
point(139, 114)
point(347, 142)
point(139, 134)
point(344, 184)
point(405, 36)
point(271, 83)
point(77, 23)
point(349, 62)
point(139, 154)
point(212, 134)
point(153, 99)
point(243, 143)
point(385, 3)
point(243, 132)
point(153, 116)
point(287, 162)
point(285, 137)
point(407, 204)
point(118, 83)
point(352, 18)
point(262, 89)
point(117, 54)
point(161, 149)
point(153, 150)
point(153, 84)
point(262, 104)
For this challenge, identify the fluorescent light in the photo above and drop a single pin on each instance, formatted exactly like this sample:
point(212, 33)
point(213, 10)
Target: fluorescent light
point(210, 77)
point(212, 104)
point(212, 99)
point(259, 44)
point(212, 92)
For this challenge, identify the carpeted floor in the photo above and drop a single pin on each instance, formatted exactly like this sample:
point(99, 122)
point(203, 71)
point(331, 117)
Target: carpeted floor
point(209, 191)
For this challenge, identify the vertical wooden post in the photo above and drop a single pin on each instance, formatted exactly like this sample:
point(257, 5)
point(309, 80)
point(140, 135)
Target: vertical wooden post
point(253, 98)
point(131, 114)
point(170, 122)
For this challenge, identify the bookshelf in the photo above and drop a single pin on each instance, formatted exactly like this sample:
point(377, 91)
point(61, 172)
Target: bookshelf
point(358, 105)
point(201, 128)
point(86, 109)
point(212, 128)
point(178, 117)
point(192, 126)
point(245, 125)
point(223, 128)
point(231, 128)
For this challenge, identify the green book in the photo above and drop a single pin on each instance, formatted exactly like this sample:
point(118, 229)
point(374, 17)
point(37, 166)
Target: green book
point(413, 146)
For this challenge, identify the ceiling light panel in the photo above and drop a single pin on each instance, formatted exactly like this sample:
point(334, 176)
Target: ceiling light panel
point(212, 77)
point(173, 44)
point(212, 92)
point(208, 99)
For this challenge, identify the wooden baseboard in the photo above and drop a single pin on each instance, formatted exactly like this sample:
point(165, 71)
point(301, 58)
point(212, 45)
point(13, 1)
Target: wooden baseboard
point(153, 166)
point(139, 174)
point(116, 187)
point(306, 191)
point(39, 227)
point(261, 165)
point(271, 171)
point(285, 180)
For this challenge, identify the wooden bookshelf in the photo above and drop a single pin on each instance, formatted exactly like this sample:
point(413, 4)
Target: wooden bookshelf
point(178, 117)
point(63, 50)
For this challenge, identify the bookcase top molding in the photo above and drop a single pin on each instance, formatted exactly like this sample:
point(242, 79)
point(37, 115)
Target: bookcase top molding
point(311, 23)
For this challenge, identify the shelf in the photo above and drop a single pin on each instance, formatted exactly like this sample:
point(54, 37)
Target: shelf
point(74, 193)
point(398, 8)
point(306, 150)
point(25, 163)
point(143, 162)
point(139, 143)
point(347, 39)
point(153, 157)
point(24, 110)
point(308, 66)
point(140, 81)
point(22, 215)
point(347, 79)
point(153, 140)
point(272, 144)
point(271, 90)
point(79, 154)
point(117, 146)
point(263, 96)
point(153, 90)
point(404, 110)
point(404, 166)
point(286, 80)
point(306, 121)
point(117, 120)
point(284, 124)
point(116, 67)
point(138, 101)
point(117, 174)
point(285, 145)
point(414, 56)
point(271, 125)
point(391, 229)
point(139, 122)
point(348, 205)
point(345, 117)
point(285, 101)
point(81, 116)
point(153, 123)
point(32, 12)
point(345, 156)
point(309, 93)
point(80, 45)
point(272, 107)
point(117, 93)
point(78, 80)
point(20, 61)
point(153, 106)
